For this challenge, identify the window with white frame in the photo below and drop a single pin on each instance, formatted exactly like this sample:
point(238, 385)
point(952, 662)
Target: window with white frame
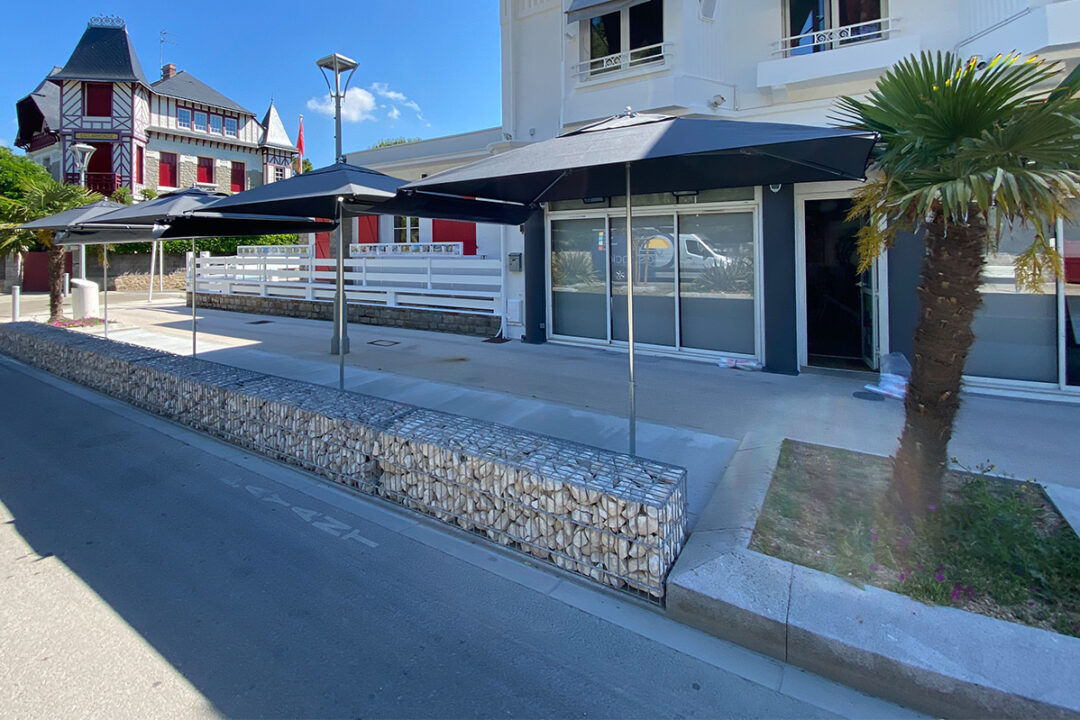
point(215, 124)
point(406, 229)
point(625, 38)
point(200, 121)
point(183, 118)
point(817, 25)
point(230, 127)
point(279, 173)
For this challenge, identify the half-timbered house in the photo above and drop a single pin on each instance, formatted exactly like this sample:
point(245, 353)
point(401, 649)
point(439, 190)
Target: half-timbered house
point(170, 133)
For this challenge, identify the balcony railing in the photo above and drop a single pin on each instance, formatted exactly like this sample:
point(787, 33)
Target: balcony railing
point(422, 249)
point(99, 182)
point(832, 38)
point(638, 57)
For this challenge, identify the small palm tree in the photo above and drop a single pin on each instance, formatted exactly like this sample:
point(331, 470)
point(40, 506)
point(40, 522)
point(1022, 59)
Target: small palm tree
point(963, 149)
point(42, 198)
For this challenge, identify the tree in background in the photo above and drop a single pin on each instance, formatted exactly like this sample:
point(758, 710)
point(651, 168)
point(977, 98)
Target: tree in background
point(962, 150)
point(390, 142)
point(41, 198)
point(16, 172)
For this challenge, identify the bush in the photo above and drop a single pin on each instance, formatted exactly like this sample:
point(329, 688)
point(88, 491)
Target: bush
point(219, 246)
point(573, 267)
point(735, 276)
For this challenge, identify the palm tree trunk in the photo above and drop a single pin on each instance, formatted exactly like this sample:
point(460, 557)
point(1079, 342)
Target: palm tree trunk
point(949, 296)
point(56, 271)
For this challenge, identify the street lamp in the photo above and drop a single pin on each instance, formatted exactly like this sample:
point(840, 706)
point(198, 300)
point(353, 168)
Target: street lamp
point(337, 64)
point(82, 160)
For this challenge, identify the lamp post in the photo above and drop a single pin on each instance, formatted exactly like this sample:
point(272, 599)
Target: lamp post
point(339, 343)
point(82, 159)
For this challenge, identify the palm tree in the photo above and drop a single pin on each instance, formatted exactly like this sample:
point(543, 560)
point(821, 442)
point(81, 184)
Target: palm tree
point(964, 147)
point(41, 198)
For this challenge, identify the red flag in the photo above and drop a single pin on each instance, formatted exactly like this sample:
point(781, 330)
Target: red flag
point(300, 146)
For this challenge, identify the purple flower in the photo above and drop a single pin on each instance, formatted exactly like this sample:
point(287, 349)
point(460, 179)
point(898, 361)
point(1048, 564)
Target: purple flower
point(874, 567)
point(901, 577)
point(939, 577)
point(931, 508)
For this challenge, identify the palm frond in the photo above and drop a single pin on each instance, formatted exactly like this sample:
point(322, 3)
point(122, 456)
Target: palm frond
point(957, 140)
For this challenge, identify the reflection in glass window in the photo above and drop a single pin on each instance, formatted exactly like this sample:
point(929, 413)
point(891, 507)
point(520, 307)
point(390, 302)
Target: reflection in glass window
point(578, 278)
point(200, 121)
point(716, 282)
point(183, 118)
point(1070, 251)
point(654, 279)
point(1016, 328)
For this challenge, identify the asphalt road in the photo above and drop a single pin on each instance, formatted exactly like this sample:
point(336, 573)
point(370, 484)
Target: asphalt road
point(149, 571)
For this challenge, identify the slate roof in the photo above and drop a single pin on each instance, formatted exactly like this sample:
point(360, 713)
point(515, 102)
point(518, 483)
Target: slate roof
point(105, 54)
point(38, 111)
point(186, 86)
point(273, 134)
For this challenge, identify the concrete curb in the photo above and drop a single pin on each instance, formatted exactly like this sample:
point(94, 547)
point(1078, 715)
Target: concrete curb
point(939, 660)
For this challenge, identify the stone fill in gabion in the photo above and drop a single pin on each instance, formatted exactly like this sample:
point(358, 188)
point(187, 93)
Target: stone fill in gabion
point(618, 519)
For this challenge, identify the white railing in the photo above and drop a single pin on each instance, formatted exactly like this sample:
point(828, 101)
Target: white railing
point(274, 250)
point(419, 249)
point(831, 38)
point(658, 53)
point(465, 284)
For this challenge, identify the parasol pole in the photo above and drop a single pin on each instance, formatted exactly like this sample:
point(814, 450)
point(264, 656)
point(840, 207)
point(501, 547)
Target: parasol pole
point(194, 276)
point(105, 284)
point(630, 312)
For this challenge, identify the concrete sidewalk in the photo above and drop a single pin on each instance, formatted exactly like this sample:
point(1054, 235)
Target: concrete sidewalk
point(725, 427)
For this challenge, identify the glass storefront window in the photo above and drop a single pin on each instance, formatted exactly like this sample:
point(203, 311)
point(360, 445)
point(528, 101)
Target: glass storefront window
point(654, 281)
point(578, 278)
point(1070, 251)
point(716, 281)
point(1016, 328)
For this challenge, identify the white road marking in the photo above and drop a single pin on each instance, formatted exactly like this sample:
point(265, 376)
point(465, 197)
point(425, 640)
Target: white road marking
point(327, 524)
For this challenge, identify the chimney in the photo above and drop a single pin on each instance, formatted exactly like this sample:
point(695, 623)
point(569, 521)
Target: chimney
point(168, 71)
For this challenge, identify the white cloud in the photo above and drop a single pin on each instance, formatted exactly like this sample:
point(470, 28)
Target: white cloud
point(356, 106)
point(383, 90)
point(394, 113)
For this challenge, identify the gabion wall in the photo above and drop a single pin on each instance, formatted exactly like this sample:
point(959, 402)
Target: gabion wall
point(618, 519)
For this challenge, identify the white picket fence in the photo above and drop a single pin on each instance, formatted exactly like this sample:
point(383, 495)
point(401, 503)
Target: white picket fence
point(448, 284)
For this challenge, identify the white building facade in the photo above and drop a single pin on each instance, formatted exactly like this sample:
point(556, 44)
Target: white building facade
point(762, 273)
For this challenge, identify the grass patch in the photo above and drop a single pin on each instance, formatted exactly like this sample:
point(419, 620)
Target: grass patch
point(996, 546)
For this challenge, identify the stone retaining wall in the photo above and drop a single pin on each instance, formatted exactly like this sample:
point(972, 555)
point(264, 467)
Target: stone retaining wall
point(618, 519)
point(412, 318)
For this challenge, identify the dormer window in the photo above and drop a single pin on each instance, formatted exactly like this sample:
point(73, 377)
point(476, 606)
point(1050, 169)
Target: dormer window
point(628, 35)
point(200, 121)
point(98, 99)
point(183, 118)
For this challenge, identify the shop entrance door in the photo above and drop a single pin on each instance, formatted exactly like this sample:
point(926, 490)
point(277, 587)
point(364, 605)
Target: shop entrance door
point(841, 303)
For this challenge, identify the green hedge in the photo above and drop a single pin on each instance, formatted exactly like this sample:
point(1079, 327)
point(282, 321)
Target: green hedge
point(216, 246)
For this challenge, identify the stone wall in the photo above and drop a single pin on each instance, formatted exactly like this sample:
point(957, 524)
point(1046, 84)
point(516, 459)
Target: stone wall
point(412, 318)
point(615, 518)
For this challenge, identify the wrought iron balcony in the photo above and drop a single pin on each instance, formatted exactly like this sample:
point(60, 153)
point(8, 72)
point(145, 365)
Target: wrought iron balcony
point(657, 54)
point(832, 38)
point(99, 182)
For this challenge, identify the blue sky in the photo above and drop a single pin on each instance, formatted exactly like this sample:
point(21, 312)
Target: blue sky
point(428, 68)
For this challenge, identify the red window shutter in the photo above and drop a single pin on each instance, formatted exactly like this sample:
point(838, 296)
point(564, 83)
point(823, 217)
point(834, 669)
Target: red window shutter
point(455, 231)
point(322, 245)
point(367, 229)
point(206, 170)
point(167, 170)
point(98, 99)
point(140, 163)
point(237, 181)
